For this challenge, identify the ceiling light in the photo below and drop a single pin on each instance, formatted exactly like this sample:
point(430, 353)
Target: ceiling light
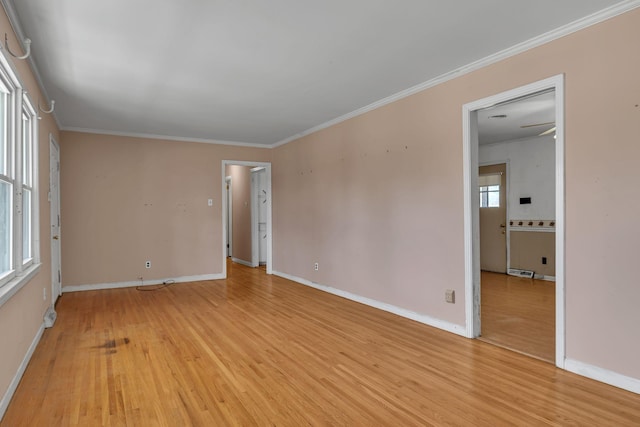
point(547, 132)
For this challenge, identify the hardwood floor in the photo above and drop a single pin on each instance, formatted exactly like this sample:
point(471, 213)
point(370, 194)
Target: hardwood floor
point(261, 350)
point(519, 314)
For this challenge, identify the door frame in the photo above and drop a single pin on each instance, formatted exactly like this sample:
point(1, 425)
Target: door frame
point(471, 206)
point(229, 219)
point(267, 167)
point(255, 216)
point(506, 162)
point(55, 216)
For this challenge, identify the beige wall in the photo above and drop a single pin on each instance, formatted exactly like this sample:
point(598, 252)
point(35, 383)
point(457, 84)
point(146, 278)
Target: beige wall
point(128, 200)
point(22, 315)
point(378, 200)
point(241, 187)
point(527, 249)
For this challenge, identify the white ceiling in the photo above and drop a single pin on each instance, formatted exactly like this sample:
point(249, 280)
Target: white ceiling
point(518, 119)
point(255, 71)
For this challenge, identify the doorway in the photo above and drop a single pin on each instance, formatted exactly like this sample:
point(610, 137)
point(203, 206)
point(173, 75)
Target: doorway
point(472, 205)
point(248, 253)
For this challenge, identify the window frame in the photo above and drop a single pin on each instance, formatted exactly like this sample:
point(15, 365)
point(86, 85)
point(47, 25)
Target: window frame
point(488, 190)
point(19, 106)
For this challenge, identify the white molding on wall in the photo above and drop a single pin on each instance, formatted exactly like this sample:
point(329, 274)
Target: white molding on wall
point(427, 320)
point(603, 375)
point(6, 399)
point(134, 283)
point(550, 36)
point(241, 261)
point(163, 137)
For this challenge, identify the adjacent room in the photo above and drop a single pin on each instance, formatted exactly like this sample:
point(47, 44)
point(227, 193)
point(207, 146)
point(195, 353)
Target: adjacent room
point(338, 213)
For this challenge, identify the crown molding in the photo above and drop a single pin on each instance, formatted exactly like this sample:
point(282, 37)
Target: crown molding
point(164, 137)
point(552, 35)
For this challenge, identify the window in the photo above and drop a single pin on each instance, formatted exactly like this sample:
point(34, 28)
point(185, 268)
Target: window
point(490, 190)
point(28, 142)
point(18, 177)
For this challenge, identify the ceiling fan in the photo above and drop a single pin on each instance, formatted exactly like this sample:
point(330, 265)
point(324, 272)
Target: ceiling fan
point(546, 132)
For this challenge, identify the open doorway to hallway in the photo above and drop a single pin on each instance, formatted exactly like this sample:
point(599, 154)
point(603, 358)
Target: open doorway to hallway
point(247, 213)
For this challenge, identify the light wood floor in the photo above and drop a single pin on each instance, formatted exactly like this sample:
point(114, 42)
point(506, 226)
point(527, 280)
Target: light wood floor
point(260, 350)
point(519, 314)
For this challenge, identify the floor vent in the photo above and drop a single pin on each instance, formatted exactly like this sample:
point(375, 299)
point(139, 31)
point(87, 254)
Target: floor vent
point(520, 273)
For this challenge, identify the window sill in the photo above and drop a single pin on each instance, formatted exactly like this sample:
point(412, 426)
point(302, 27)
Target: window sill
point(13, 286)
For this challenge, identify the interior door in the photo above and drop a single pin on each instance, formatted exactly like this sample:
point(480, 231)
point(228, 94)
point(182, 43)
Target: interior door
point(54, 176)
point(493, 219)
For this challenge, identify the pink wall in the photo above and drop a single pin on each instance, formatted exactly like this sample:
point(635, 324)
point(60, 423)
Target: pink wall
point(378, 200)
point(22, 315)
point(128, 200)
point(241, 187)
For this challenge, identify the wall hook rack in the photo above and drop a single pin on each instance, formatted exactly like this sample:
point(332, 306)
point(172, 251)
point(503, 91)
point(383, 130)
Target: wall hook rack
point(27, 48)
point(50, 110)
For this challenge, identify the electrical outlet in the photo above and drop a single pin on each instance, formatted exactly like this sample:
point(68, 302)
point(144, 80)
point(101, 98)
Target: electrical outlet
point(147, 264)
point(315, 266)
point(544, 259)
point(44, 294)
point(450, 296)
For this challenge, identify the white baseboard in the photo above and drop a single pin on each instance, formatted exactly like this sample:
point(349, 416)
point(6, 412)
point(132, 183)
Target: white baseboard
point(241, 261)
point(427, 320)
point(603, 375)
point(6, 399)
point(116, 285)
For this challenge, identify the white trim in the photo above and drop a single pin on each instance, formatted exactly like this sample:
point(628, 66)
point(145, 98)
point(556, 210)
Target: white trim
point(471, 238)
point(6, 399)
point(134, 283)
point(560, 225)
point(229, 233)
point(427, 320)
point(603, 375)
point(253, 210)
point(53, 216)
point(534, 42)
point(243, 262)
point(267, 166)
point(164, 137)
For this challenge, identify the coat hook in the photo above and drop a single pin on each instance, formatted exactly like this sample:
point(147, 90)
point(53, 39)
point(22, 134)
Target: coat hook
point(27, 49)
point(50, 110)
